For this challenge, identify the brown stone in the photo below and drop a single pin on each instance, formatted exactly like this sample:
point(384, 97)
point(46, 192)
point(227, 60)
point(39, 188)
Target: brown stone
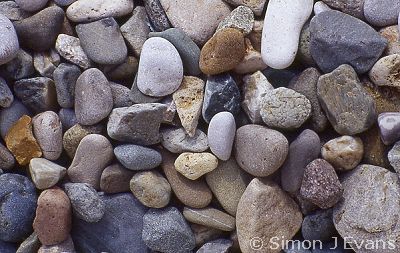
point(222, 52)
point(391, 33)
point(52, 223)
point(387, 99)
point(21, 142)
point(256, 34)
point(205, 234)
point(115, 179)
point(375, 152)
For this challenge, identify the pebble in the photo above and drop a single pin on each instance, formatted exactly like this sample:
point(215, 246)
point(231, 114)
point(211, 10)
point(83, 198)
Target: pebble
point(139, 124)
point(354, 8)
point(65, 246)
point(197, 19)
point(12, 11)
point(10, 115)
point(93, 97)
point(221, 134)
point(64, 2)
point(285, 109)
point(21, 142)
point(52, 223)
point(44, 173)
point(176, 140)
point(221, 94)
point(136, 157)
point(167, 231)
point(9, 40)
point(343, 153)
point(73, 136)
point(216, 246)
point(47, 129)
point(92, 10)
point(46, 62)
point(31, 6)
point(282, 26)
point(265, 211)
point(21, 66)
point(18, 203)
point(151, 189)
point(70, 48)
point(191, 193)
point(389, 127)
point(319, 226)
point(391, 33)
point(223, 52)
point(304, 53)
point(321, 185)
point(65, 77)
point(264, 157)
point(115, 179)
point(120, 94)
point(252, 60)
point(204, 234)
point(29, 245)
point(393, 157)
point(257, 6)
point(160, 70)
point(303, 150)
point(86, 167)
point(39, 32)
point(85, 201)
point(6, 96)
point(210, 217)
point(195, 165)
point(7, 160)
point(348, 115)
point(384, 72)
point(122, 71)
point(320, 6)
point(67, 117)
point(137, 97)
point(189, 100)
point(102, 41)
point(381, 13)
point(241, 18)
point(331, 45)
point(111, 233)
point(369, 206)
point(158, 18)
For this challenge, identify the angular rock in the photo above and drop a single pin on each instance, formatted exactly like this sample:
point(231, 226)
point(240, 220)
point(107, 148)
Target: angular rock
point(176, 140)
point(45, 173)
point(385, 71)
point(195, 165)
point(157, 16)
point(70, 48)
point(6, 96)
point(136, 157)
point(241, 18)
point(7, 160)
point(9, 40)
point(46, 62)
point(115, 179)
point(210, 217)
point(65, 76)
point(221, 134)
point(73, 136)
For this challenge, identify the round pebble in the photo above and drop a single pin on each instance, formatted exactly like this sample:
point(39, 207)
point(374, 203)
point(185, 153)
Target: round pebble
point(195, 165)
point(221, 134)
point(9, 40)
point(136, 157)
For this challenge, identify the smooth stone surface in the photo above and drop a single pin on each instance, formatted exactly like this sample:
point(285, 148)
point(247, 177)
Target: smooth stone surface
point(91, 10)
point(65, 246)
point(31, 6)
point(136, 157)
point(348, 115)
point(18, 204)
point(265, 211)
point(384, 72)
point(176, 140)
point(67, 117)
point(389, 125)
point(252, 60)
point(21, 66)
point(331, 43)
point(9, 40)
point(354, 8)
point(216, 246)
point(102, 41)
point(65, 76)
point(241, 18)
point(29, 245)
point(73, 136)
point(86, 167)
point(282, 26)
point(320, 6)
point(160, 70)
point(10, 115)
point(210, 217)
point(392, 34)
point(195, 165)
point(12, 11)
point(85, 201)
point(167, 231)
point(69, 47)
point(45, 173)
point(343, 153)
point(157, 16)
point(6, 96)
point(115, 179)
point(260, 151)
point(257, 6)
point(318, 226)
point(221, 134)
point(7, 160)
point(93, 97)
point(120, 94)
point(381, 12)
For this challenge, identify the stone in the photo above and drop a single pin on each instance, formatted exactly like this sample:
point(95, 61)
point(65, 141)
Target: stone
point(115, 179)
point(321, 185)
point(222, 52)
point(221, 94)
point(252, 60)
point(12, 11)
point(39, 32)
point(31, 6)
point(52, 223)
point(157, 16)
point(343, 153)
point(102, 41)
point(353, 8)
point(44, 173)
point(221, 134)
point(375, 151)
point(189, 100)
point(176, 140)
point(205, 234)
point(210, 217)
point(88, 11)
point(191, 193)
point(260, 151)
point(73, 136)
point(122, 71)
point(137, 97)
point(241, 18)
point(384, 72)
point(216, 246)
point(393, 157)
point(139, 124)
point(93, 97)
point(348, 115)
point(10, 115)
point(303, 150)
point(151, 189)
point(304, 52)
point(320, 6)
point(65, 76)
point(388, 125)
point(86, 167)
point(195, 165)
point(7, 160)
point(197, 19)
point(65, 246)
point(167, 231)
point(136, 157)
point(391, 33)
point(265, 211)
point(120, 95)
point(255, 35)
point(160, 70)
point(282, 26)
point(318, 226)
point(67, 117)
point(85, 202)
point(381, 13)
point(330, 43)
point(21, 66)
point(285, 109)
point(70, 48)
point(64, 2)
point(257, 6)
point(46, 62)
point(29, 245)
point(18, 204)
point(9, 40)
point(21, 142)
point(6, 96)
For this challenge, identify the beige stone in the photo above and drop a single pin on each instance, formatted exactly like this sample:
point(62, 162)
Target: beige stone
point(45, 173)
point(256, 5)
point(391, 33)
point(195, 165)
point(385, 72)
point(210, 217)
point(251, 61)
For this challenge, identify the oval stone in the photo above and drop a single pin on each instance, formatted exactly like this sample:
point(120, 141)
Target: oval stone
point(8, 40)
point(136, 157)
point(221, 134)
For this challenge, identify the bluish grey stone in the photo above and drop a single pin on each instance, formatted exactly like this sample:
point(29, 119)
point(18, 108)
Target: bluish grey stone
point(382, 12)
point(67, 118)
point(7, 160)
point(136, 157)
point(6, 96)
point(6, 247)
point(20, 67)
point(319, 226)
point(216, 246)
point(121, 95)
point(65, 76)
point(158, 19)
point(10, 115)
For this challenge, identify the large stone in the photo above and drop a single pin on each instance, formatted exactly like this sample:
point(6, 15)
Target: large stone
point(9, 40)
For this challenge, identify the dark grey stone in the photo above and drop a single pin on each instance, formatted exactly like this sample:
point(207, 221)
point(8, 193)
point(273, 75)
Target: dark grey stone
point(136, 157)
point(157, 16)
point(389, 126)
point(6, 247)
point(67, 118)
point(11, 10)
point(216, 246)
point(19, 67)
point(10, 115)
point(121, 95)
point(65, 76)
point(319, 226)
point(30, 244)
point(6, 96)
point(7, 160)
point(138, 97)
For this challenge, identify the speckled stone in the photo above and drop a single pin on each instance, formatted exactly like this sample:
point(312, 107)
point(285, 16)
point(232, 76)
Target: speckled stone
point(384, 72)
point(70, 48)
point(120, 94)
point(136, 157)
point(10, 115)
point(7, 160)
point(319, 226)
point(391, 33)
point(45, 173)
point(381, 12)
point(6, 96)
point(21, 66)
point(73, 136)
point(304, 53)
point(46, 62)
point(210, 217)
point(12, 11)
point(65, 76)
point(221, 134)
point(241, 18)
point(9, 40)
point(354, 8)
point(115, 179)
point(176, 140)
point(216, 246)
point(195, 165)
point(157, 16)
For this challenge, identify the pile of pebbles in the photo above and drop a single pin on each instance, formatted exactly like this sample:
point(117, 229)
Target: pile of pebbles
point(211, 126)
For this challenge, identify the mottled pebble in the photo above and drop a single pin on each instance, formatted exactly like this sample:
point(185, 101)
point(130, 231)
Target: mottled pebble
point(21, 66)
point(176, 140)
point(353, 8)
point(136, 157)
point(70, 48)
point(241, 18)
point(343, 153)
point(210, 217)
point(385, 71)
point(195, 165)
point(46, 62)
point(44, 173)
point(392, 34)
point(157, 16)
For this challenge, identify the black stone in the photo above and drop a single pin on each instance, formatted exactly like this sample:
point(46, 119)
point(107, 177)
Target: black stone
point(65, 76)
point(158, 18)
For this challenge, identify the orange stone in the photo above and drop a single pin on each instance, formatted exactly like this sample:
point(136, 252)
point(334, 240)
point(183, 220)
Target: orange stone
point(21, 142)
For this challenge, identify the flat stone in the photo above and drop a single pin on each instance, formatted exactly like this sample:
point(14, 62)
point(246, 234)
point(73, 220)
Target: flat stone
point(69, 47)
point(381, 13)
point(115, 179)
point(65, 76)
point(136, 157)
point(7, 160)
point(252, 60)
point(44, 173)
point(6, 96)
point(67, 117)
point(354, 8)
point(391, 33)
point(21, 66)
point(195, 165)
point(12, 11)
point(384, 72)
point(265, 211)
point(93, 97)
point(86, 167)
point(10, 115)
point(221, 134)
point(348, 115)
point(257, 6)
point(73, 136)
point(9, 40)
point(330, 43)
point(210, 217)
point(46, 62)
point(121, 95)
point(65, 246)
point(241, 18)
point(167, 231)
point(29, 245)
point(151, 189)
point(216, 246)
point(157, 16)
point(176, 140)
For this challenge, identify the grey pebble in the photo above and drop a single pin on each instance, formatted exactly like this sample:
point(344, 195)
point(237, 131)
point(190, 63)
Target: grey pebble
point(6, 96)
point(216, 246)
point(67, 118)
point(65, 77)
point(9, 45)
point(7, 160)
point(319, 226)
point(10, 115)
point(136, 157)
point(121, 95)
point(382, 12)
point(176, 140)
point(29, 245)
point(138, 97)
point(20, 67)
point(157, 16)
point(12, 11)
point(46, 62)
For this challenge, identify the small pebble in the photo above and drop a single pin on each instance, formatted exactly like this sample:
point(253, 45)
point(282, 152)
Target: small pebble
point(195, 165)
point(210, 217)
point(158, 19)
point(384, 72)
point(381, 13)
point(176, 140)
point(221, 134)
point(136, 157)
point(241, 18)
point(9, 40)
point(389, 126)
point(70, 48)
point(65, 77)
point(73, 136)
point(44, 173)
point(115, 179)
point(6, 96)
point(216, 246)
